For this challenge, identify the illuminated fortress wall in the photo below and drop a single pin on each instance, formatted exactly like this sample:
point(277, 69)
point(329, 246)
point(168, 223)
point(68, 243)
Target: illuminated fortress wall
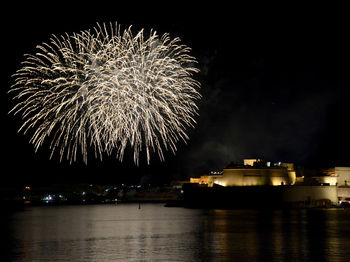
point(256, 177)
point(310, 193)
point(343, 192)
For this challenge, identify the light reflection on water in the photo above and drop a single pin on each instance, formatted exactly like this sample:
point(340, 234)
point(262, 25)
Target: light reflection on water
point(156, 233)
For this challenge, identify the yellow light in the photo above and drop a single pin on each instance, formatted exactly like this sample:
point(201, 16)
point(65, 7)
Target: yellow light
point(219, 183)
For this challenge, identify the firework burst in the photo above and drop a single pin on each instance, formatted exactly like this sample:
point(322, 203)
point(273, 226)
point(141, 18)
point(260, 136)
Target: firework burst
point(107, 89)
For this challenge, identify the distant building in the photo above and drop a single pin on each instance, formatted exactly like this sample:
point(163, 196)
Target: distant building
point(260, 183)
point(251, 162)
point(207, 179)
point(253, 172)
point(343, 174)
point(311, 187)
point(257, 173)
point(325, 177)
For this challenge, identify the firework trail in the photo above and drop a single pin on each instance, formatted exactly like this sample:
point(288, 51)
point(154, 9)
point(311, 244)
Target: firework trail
point(107, 89)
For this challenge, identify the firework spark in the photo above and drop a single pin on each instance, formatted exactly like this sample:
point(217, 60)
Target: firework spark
point(107, 89)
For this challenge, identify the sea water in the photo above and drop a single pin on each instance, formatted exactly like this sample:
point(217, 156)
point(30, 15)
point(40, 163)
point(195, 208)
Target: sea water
point(152, 232)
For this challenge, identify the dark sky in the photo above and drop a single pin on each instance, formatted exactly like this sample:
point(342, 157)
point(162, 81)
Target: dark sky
point(275, 84)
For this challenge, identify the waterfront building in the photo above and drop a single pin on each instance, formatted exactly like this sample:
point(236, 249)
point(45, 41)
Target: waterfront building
point(253, 172)
point(270, 183)
point(258, 173)
point(343, 175)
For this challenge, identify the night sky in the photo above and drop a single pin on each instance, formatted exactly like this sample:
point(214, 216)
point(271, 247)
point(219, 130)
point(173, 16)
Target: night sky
point(274, 80)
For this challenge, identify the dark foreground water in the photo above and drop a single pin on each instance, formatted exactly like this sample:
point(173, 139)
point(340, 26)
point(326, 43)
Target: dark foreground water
point(157, 233)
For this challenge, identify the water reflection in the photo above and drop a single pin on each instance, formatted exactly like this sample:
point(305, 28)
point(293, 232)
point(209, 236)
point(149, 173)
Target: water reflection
point(156, 233)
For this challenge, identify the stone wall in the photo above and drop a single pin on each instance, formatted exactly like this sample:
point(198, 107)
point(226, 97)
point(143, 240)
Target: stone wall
point(310, 193)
